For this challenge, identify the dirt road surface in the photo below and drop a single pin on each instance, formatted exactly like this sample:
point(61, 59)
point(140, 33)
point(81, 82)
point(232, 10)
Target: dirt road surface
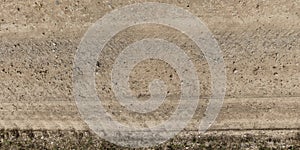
point(260, 42)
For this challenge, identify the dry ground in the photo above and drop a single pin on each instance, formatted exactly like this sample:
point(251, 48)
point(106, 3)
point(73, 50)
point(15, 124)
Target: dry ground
point(260, 41)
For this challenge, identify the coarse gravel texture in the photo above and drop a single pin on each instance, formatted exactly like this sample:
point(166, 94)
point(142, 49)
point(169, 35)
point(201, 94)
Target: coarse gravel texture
point(72, 139)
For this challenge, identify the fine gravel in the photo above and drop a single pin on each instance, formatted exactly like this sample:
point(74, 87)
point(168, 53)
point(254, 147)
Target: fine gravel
point(260, 43)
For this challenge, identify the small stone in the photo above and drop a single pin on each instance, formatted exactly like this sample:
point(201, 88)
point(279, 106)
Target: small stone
point(235, 71)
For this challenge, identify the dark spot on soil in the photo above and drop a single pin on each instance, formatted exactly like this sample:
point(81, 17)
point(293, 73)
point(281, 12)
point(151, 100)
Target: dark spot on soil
point(257, 6)
point(98, 64)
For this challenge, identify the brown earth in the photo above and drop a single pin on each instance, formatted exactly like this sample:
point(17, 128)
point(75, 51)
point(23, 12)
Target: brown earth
point(260, 41)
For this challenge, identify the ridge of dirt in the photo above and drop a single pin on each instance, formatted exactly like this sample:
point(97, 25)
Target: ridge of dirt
point(84, 139)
